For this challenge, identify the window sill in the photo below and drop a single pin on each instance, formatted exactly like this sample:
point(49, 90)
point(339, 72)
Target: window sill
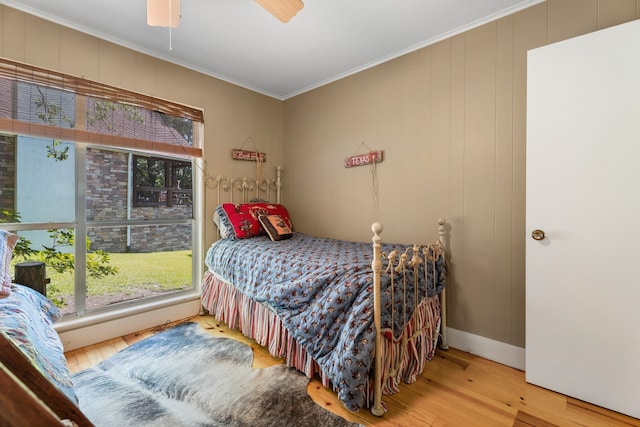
point(72, 323)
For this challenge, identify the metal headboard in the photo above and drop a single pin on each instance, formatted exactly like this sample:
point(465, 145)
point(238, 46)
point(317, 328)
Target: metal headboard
point(243, 190)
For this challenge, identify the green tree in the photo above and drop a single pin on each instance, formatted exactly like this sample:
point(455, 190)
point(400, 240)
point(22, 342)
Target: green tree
point(97, 261)
point(54, 256)
point(23, 246)
point(182, 125)
point(50, 113)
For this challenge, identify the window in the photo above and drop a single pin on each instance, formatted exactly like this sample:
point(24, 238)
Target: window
point(162, 182)
point(99, 184)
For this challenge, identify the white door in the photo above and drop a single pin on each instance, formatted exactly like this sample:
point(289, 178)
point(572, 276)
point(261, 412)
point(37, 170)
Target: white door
point(583, 192)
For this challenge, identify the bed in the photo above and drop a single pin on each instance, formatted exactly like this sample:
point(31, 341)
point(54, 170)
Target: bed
point(34, 375)
point(364, 317)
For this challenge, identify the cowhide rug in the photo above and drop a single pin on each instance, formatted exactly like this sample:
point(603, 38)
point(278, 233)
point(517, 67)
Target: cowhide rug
point(186, 377)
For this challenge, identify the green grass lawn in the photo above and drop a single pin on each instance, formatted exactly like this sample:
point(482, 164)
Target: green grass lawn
point(157, 271)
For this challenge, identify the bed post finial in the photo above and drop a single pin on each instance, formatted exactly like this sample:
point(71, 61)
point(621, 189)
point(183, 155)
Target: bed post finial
point(441, 230)
point(278, 183)
point(377, 229)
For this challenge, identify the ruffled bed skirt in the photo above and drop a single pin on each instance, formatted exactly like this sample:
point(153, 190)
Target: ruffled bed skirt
point(403, 359)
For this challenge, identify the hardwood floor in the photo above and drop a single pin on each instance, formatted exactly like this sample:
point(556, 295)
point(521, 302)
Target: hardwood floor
point(456, 389)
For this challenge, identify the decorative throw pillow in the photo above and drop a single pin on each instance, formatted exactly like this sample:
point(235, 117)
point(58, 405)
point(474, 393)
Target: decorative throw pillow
point(7, 243)
point(275, 226)
point(243, 218)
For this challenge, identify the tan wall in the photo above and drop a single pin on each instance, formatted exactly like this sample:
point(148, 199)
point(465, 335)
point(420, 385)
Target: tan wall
point(451, 121)
point(231, 114)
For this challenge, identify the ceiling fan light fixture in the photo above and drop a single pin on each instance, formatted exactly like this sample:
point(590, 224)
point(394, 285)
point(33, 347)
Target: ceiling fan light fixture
point(284, 10)
point(163, 13)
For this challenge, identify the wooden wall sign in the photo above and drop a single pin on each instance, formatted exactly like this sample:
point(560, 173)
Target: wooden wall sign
point(363, 159)
point(252, 156)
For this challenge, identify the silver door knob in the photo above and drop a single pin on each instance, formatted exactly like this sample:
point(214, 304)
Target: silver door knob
point(537, 234)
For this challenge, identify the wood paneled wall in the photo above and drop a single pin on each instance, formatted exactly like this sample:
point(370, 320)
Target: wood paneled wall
point(451, 121)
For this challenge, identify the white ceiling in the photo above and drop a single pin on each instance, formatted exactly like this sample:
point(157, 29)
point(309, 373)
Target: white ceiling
point(240, 42)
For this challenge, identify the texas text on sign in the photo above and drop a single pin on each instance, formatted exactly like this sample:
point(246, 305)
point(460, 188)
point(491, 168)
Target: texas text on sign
point(363, 159)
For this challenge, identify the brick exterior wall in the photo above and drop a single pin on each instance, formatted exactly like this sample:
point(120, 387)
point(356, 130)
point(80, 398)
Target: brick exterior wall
point(7, 172)
point(106, 183)
point(106, 200)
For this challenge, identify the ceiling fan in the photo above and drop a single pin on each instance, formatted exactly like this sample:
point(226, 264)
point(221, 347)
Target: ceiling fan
point(166, 13)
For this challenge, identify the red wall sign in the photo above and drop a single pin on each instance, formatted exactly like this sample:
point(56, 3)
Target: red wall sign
point(363, 159)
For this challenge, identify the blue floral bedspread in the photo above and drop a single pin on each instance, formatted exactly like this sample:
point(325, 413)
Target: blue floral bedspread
point(27, 318)
point(322, 290)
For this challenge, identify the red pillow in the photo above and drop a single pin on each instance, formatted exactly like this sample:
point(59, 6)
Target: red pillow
point(244, 217)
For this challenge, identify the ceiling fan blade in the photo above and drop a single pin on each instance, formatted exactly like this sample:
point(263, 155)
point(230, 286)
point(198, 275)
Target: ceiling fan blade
point(284, 10)
point(163, 13)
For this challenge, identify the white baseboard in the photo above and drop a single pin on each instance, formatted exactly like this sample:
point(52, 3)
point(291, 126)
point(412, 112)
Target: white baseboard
point(496, 351)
